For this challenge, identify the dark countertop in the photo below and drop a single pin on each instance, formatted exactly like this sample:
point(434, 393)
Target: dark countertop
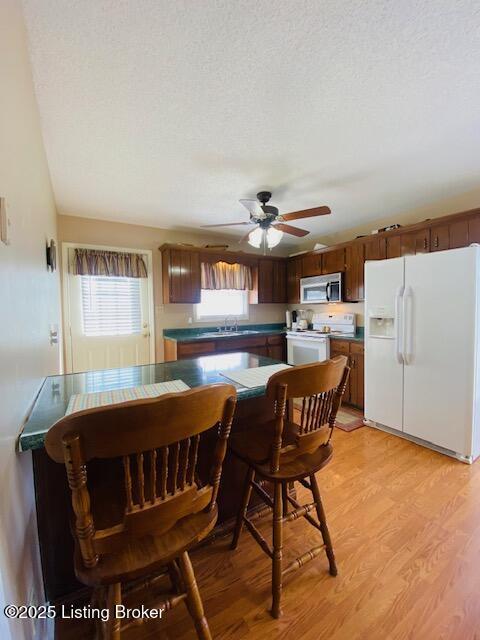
point(358, 337)
point(211, 333)
point(52, 400)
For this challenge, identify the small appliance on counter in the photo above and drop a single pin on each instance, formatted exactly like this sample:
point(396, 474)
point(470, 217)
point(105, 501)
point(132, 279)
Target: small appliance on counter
point(302, 322)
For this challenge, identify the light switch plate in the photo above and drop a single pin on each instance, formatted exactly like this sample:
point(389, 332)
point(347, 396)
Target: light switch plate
point(4, 225)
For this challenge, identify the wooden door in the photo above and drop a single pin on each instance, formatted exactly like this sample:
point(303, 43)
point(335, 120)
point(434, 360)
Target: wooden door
point(394, 246)
point(184, 277)
point(375, 248)
point(415, 242)
point(294, 273)
point(312, 264)
point(265, 280)
point(279, 281)
point(333, 261)
point(354, 289)
point(439, 237)
point(458, 232)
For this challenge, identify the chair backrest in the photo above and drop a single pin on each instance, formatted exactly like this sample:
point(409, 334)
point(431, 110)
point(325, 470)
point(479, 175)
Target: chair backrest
point(321, 386)
point(155, 443)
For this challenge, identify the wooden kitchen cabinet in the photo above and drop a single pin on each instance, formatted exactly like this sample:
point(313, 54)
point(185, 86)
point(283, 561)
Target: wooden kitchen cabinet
point(312, 265)
point(474, 229)
point(181, 276)
point(415, 242)
point(354, 393)
point(333, 261)
point(458, 234)
point(272, 346)
point(375, 248)
point(272, 280)
point(394, 246)
point(294, 273)
point(439, 237)
point(354, 287)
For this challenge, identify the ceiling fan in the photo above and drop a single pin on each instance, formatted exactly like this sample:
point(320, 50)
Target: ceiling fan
point(270, 225)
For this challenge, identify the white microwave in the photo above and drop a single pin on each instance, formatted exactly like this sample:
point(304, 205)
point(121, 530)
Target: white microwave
point(321, 289)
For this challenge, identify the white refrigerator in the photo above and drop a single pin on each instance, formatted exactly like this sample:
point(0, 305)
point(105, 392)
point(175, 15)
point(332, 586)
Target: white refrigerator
point(422, 349)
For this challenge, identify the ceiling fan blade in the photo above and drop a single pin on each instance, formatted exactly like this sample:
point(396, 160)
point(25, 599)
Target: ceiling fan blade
point(225, 224)
point(253, 207)
point(307, 213)
point(245, 237)
point(294, 231)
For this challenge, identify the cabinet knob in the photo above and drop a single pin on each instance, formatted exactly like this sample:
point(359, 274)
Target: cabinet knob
point(425, 243)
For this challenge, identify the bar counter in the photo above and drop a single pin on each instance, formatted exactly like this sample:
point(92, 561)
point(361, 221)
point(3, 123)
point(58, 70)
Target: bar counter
point(51, 489)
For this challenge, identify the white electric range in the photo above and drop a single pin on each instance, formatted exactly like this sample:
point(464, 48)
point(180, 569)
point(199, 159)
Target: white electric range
point(313, 345)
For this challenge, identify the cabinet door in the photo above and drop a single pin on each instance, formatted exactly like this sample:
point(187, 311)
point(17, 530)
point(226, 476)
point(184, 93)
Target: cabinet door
point(474, 229)
point(376, 248)
point(265, 280)
point(279, 281)
point(184, 277)
point(312, 264)
point(294, 273)
point(333, 261)
point(415, 242)
point(458, 232)
point(394, 247)
point(354, 272)
point(357, 375)
point(341, 348)
point(439, 237)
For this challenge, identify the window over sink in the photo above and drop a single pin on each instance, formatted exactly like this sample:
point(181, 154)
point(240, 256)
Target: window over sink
point(216, 304)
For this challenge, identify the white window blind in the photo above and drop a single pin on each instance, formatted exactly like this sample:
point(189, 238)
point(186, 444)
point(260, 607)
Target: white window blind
point(218, 303)
point(111, 306)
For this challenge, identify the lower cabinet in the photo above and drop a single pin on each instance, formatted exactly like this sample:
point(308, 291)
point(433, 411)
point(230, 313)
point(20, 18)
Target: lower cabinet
point(273, 346)
point(354, 393)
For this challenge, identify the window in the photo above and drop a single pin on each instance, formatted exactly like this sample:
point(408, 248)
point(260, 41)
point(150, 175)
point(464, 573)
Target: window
point(217, 304)
point(111, 306)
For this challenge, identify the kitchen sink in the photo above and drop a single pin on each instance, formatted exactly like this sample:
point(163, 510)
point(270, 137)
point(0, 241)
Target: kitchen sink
point(223, 334)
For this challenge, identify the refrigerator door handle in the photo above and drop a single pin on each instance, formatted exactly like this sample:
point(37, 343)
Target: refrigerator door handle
point(408, 326)
point(399, 325)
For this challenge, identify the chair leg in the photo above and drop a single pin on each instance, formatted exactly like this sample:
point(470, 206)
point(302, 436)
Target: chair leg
point(277, 550)
point(247, 492)
point(323, 525)
point(114, 597)
point(194, 601)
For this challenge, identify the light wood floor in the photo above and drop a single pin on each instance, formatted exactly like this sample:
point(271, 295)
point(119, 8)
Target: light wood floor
point(405, 524)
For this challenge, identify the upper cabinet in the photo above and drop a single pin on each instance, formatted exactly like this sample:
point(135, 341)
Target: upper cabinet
point(375, 247)
point(354, 260)
point(294, 273)
point(415, 242)
point(272, 280)
point(333, 261)
point(181, 276)
point(312, 264)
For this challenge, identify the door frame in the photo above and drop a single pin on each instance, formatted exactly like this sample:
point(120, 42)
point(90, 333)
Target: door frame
point(67, 337)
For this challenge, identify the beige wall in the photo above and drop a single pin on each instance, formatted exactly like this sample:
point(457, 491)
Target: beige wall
point(29, 303)
point(91, 231)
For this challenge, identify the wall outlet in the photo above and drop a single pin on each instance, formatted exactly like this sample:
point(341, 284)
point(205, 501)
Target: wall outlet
point(4, 222)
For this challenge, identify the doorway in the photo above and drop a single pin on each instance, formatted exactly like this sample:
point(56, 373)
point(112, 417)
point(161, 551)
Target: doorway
point(108, 319)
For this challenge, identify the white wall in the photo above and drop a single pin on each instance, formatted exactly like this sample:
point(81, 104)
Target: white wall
point(29, 303)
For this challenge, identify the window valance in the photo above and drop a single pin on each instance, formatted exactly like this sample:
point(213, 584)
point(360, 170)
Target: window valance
point(97, 262)
point(223, 275)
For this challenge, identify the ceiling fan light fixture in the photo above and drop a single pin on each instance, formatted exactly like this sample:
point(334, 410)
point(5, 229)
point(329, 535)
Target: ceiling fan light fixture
point(273, 237)
point(255, 237)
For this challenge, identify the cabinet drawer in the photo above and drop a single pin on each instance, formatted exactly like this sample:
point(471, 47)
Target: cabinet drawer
point(275, 340)
point(339, 346)
point(192, 348)
point(234, 344)
point(356, 347)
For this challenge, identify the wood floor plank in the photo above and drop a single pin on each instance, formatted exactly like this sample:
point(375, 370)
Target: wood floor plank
point(405, 524)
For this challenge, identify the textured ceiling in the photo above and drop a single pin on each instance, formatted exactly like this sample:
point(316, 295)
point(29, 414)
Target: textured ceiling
point(166, 112)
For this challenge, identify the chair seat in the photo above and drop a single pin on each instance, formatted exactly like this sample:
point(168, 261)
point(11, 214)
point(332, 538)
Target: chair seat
point(148, 554)
point(255, 445)
point(297, 467)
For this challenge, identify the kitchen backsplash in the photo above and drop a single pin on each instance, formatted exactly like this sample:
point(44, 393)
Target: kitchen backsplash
point(358, 308)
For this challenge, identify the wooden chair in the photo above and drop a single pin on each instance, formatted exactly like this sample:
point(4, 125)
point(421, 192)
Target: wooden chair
point(282, 452)
point(144, 506)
